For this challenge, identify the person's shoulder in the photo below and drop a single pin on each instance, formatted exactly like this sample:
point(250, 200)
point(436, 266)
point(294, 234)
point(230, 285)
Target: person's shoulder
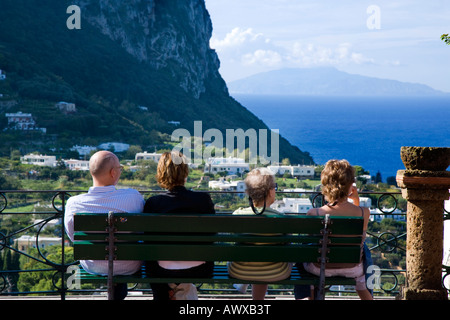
point(366, 211)
point(270, 210)
point(76, 198)
point(130, 191)
point(242, 210)
point(198, 194)
point(155, 199)
point(203, 194)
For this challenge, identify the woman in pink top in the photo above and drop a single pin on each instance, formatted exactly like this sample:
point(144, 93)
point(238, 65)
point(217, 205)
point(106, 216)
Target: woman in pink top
point(337, 180)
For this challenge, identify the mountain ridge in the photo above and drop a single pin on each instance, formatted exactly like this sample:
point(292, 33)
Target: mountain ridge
point(323, 81)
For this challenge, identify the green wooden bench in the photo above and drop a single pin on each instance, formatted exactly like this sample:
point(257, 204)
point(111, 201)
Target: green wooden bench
point(219, 238)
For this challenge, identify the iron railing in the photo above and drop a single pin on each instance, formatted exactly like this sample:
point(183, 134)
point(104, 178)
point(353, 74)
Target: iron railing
point(28, 268)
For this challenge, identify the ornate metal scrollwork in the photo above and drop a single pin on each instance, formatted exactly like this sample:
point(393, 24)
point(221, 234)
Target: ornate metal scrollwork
point(5, 202)
point(380, 200)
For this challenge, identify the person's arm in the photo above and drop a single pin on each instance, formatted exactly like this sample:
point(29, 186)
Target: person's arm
point(68, 219)
point(311, 212)
point(354, 195)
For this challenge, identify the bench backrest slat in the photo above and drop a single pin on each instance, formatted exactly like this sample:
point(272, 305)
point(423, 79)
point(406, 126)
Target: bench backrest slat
point(226, 237)
point(216, 223)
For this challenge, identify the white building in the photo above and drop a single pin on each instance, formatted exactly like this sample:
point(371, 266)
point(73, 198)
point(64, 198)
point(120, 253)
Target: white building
point(75, 164)
point(292, 205)
point(66, 107)
point(22, 121)
point(115, 146)
point(39, 160)
point(83, 150)
point(295, 171)
point(363, 202)
point(377, 215)
point(26, 241)
point(148, 156)
point(224, 185)
point(230, 165)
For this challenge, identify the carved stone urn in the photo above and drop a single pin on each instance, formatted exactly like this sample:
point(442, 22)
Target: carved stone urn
point(425, 185)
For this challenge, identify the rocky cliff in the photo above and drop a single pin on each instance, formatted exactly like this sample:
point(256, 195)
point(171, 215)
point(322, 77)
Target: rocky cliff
point(160, 33)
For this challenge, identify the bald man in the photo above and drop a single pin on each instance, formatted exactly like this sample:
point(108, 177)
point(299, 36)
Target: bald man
point(103, 197)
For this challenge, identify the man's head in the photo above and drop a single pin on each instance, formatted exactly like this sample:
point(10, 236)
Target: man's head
point(105, 168)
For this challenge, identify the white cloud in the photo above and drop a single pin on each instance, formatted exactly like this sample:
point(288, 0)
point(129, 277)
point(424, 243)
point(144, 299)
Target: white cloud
point(237, 38)
point(309, 55)
point(252, 49)
point(266, 58)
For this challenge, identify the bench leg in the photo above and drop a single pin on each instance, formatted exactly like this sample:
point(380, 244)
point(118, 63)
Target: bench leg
point(323, 259)
point(110, 255)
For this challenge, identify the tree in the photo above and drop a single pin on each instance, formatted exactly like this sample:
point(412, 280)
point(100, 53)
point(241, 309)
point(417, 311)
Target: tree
point(11, 262)
point(43, 280)
point(378, 177)
point(446, 38)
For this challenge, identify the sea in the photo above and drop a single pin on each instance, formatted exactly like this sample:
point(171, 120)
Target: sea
point(366, 131)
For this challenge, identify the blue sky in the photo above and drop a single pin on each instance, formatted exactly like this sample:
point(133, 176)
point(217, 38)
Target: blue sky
point(397, 40)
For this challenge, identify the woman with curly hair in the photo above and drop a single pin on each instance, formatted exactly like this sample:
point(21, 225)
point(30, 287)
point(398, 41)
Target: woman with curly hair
point(337, 180)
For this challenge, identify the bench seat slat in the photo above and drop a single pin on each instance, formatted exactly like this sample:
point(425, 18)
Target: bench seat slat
point(216, 252)
point(220, 275)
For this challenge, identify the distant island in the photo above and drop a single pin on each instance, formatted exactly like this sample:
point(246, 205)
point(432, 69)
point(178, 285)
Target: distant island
point(323, 81)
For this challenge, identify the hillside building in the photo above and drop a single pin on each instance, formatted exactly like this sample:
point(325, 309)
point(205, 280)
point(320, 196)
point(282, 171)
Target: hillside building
point(295, 171)
point(39, 160)
point(75, 164)
point(66, 107)
point(292, 205)
point(148, 156)
point(26, 241)
point(22, 121)
point(230, 165)
point(224, 185)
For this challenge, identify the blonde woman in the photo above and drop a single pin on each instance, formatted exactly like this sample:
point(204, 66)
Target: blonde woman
point(337, 180)
point(172, 173)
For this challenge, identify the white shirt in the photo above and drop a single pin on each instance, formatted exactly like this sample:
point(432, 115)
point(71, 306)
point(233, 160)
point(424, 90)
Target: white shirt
point(103, 200)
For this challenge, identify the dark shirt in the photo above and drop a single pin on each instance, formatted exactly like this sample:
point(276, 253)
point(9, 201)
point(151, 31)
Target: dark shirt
point(180, 200)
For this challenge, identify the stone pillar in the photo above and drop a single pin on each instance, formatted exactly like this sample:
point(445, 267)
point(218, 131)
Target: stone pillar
point(425, 184)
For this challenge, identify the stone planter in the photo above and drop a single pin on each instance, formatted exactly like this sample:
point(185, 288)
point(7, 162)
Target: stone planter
point(425, 158)
point(425, 184)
